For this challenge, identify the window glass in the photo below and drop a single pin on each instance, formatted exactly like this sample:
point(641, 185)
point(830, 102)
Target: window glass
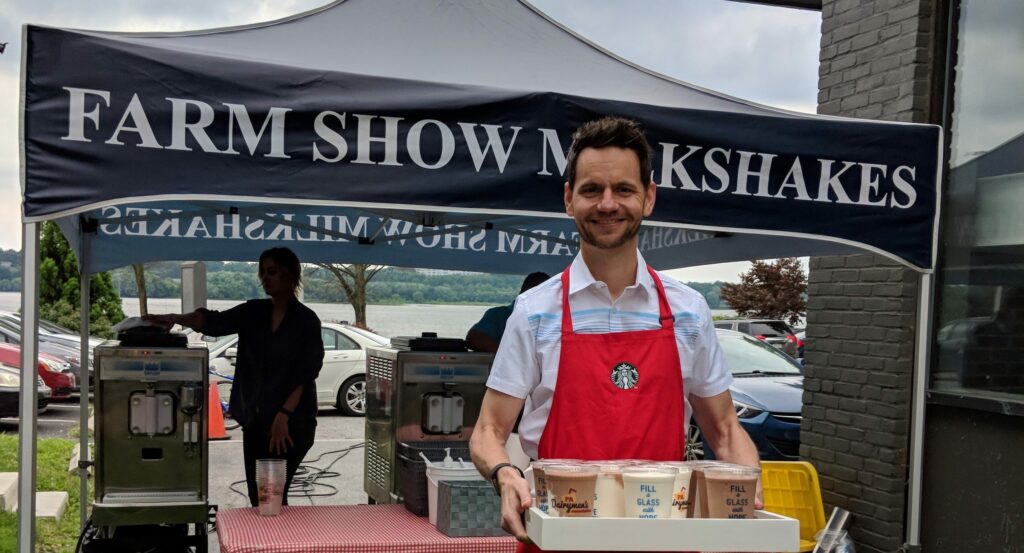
point(979, 314)
point(330, 339)
point(746, 355)
point(769, 329)
point(344, 342)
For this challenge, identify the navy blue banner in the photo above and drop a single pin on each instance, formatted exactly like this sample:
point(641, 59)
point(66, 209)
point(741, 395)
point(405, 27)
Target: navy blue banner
point(108, 121)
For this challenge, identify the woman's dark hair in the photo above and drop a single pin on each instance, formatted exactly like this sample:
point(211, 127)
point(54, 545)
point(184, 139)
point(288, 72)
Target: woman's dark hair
point(610, 131)
point(287, 260)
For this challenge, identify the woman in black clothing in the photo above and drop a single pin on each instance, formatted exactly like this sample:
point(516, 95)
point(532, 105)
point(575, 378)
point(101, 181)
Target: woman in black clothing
point(280, 352)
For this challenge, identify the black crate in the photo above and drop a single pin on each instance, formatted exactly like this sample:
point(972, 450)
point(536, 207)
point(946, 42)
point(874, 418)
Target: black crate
point(412, 470)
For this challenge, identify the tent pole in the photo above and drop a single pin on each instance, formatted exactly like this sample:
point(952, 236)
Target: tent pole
point(83, 404)
point(29, 405)
point(922, 353)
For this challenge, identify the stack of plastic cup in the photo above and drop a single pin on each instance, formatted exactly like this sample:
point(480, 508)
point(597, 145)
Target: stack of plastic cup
point(270, 476)
point(541, 489)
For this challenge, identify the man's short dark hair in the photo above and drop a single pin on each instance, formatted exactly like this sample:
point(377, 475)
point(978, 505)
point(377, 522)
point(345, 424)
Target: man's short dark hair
point(610, 131)
point(533, 279)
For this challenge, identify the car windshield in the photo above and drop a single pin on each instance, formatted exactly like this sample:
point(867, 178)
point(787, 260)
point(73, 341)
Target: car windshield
point(769, 328)
point(746, 355)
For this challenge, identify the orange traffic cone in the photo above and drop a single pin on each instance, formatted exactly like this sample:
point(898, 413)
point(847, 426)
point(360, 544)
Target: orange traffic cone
point(215, 420)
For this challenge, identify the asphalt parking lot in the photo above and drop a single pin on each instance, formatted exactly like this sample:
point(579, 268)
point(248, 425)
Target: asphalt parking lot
point(55, 422)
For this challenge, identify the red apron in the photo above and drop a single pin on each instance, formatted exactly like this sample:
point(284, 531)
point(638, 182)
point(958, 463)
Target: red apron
point(617, 396)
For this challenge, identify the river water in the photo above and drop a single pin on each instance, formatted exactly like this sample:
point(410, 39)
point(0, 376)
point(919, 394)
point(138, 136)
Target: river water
point(409, 319)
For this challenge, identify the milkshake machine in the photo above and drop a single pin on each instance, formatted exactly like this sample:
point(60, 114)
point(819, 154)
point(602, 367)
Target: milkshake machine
point(422, 389)
point(151, 448)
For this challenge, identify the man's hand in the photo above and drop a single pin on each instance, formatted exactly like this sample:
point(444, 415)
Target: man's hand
point(515, 499)
point(280, 439)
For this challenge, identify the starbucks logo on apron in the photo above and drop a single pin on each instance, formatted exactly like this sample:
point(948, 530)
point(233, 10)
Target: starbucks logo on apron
point(625, 376)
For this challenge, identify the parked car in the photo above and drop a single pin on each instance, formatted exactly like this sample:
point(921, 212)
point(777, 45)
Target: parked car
point(342, 380)
point(773, 331)
point(10, 391)
point(767, 392)
point(55, 331)
point(55, 372)
point(57, 348)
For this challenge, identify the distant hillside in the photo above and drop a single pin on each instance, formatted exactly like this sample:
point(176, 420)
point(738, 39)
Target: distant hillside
point(237, 281)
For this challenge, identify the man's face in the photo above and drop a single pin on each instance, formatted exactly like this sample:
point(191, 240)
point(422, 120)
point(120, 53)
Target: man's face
point(609, 200)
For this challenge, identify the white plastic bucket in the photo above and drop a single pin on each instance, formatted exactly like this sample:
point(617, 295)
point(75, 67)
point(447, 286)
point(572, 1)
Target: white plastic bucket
point(435, 474)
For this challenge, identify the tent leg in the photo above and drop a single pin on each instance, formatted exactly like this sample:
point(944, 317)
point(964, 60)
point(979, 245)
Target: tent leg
point(83, 404)
point(922, 353)
point(29, 400)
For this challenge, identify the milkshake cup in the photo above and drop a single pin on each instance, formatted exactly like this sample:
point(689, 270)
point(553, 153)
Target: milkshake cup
point(698, 507)
point(540, 485)
point(571, 489)
point(609, 501)
point(648, 490)
point(270, 477)
point(731, 491)
point(680, 488)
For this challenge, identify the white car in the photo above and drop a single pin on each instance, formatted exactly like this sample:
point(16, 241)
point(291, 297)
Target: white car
point(342, 380)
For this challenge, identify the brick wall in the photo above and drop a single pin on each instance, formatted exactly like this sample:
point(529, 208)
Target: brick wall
point(876, 62)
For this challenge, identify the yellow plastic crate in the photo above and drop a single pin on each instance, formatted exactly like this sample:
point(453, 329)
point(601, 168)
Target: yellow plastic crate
point(791, 488)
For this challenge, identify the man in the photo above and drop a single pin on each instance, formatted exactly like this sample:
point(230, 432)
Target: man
point(612, 358)
point(486, 333)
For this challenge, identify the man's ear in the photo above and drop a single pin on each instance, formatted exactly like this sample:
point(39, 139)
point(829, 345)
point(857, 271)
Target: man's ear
point(649, 198)
point(567, 197)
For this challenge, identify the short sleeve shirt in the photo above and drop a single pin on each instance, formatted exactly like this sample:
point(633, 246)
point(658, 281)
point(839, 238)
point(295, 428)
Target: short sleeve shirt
point(526, 364)
point(493, 322)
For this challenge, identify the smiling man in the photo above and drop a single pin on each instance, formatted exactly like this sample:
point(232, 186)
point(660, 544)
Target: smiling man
point(611, 358)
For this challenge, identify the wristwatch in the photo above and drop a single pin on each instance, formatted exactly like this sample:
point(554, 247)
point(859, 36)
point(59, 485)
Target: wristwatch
point(286, 411)
point(494, 474)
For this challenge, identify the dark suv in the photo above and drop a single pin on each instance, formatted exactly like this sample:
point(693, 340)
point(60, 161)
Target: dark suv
point(772, 331)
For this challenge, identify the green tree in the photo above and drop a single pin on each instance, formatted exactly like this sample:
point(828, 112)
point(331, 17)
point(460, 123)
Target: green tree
point(353, 279)
point(770, 290)
point(59, 279)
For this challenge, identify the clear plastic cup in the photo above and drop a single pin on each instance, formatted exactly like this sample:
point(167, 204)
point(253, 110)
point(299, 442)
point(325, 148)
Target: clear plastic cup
point(647, 490)
point(698, 507)
point(681, 487)
point(270, 477)
point(541, 490)
point(571, 489)
point(609, 501)
point(731, 491)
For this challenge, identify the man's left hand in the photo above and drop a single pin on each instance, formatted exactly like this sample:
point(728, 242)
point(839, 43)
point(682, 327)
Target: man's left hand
point(280, 439)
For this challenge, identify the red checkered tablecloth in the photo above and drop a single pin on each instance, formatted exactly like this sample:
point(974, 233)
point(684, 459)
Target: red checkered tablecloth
point(343, 529)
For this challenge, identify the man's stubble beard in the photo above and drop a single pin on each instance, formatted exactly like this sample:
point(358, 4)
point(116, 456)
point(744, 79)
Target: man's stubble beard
point(628, 235)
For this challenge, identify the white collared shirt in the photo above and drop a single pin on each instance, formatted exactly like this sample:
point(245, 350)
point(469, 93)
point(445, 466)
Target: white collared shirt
point(526, 365)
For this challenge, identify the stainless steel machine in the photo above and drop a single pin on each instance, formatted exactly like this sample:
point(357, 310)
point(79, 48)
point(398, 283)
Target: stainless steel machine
point(150, 435)
point(415, 393)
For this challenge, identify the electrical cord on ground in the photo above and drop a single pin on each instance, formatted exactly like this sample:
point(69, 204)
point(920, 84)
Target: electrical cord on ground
point(81, 535)
point(306, 482)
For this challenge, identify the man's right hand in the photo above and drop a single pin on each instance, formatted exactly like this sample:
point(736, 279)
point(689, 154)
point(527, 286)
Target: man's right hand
point(515, 500)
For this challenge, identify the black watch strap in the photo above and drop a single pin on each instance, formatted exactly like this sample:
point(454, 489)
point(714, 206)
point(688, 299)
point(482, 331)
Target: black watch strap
point(494, 474)
point(286, 411)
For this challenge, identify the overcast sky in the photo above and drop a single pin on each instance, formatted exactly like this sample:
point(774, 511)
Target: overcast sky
point(763, 54)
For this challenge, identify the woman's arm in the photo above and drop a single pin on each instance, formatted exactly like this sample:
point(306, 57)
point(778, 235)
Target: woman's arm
point(193, 320)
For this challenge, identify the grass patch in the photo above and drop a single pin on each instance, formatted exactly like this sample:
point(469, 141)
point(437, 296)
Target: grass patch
point(51, 475)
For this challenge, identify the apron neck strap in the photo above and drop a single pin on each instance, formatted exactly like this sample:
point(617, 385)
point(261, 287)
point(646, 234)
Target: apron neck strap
point(664, 313)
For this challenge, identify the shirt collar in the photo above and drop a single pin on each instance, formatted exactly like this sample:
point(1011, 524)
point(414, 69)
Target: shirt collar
point(580, 276)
